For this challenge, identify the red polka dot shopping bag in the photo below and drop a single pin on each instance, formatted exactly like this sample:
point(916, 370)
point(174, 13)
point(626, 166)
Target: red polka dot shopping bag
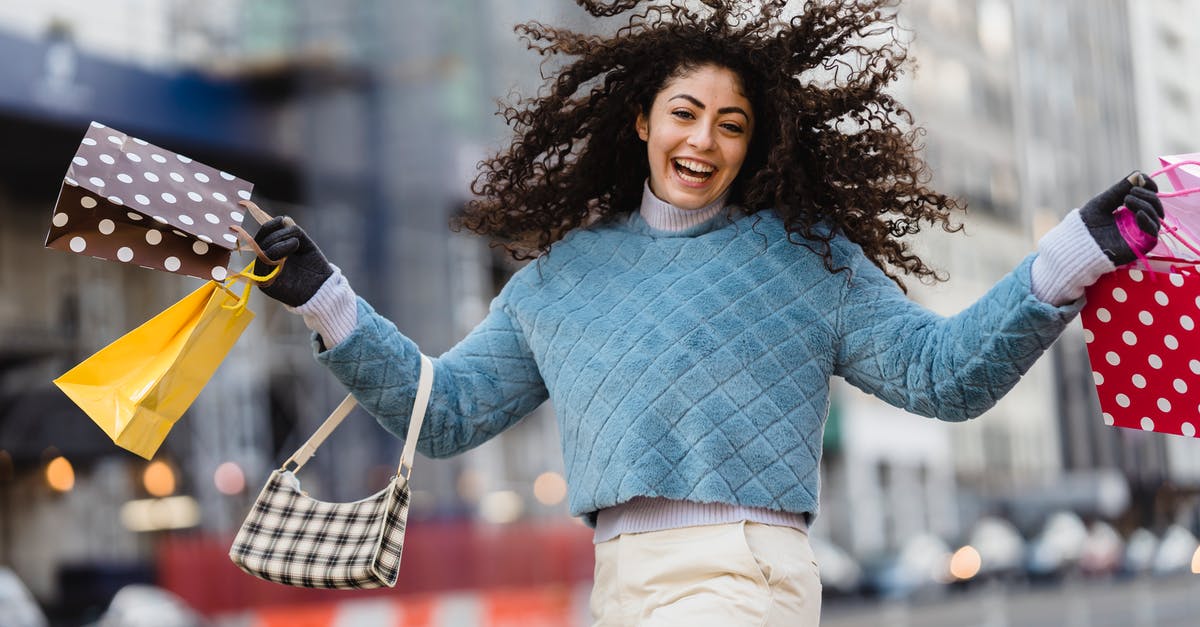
point(1140, 322)
point(126, 200)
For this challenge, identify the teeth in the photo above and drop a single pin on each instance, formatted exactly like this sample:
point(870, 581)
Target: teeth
point(695, 166)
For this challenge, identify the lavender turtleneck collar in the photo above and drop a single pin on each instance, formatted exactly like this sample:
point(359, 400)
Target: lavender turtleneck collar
point(664, 216)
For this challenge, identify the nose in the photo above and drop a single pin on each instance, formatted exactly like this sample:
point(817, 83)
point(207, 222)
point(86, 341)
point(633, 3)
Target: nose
point(701, 138)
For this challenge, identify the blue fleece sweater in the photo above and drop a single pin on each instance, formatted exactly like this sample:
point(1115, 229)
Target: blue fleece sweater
point(695, 365)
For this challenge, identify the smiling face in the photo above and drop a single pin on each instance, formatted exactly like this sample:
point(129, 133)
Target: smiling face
point(697, 134)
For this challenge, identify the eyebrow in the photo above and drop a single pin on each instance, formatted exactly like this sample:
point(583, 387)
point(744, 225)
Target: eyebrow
point(722, 110)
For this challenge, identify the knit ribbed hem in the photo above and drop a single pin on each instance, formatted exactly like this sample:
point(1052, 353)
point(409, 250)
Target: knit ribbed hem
point(1068, 260)
point(643, 514)
point(664, 216)
point(332, 312)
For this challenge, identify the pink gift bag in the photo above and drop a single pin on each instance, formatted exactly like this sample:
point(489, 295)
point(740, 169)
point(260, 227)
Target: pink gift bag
point(1141, 321)
point(1181, 205)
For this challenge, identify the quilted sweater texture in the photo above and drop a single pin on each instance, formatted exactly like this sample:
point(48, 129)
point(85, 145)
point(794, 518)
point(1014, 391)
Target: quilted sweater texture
point(696, 364)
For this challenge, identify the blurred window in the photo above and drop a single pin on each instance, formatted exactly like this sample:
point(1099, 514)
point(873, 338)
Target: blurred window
point(953, 84)
point(945, 14)
point(1176, 96)
point(1171, 39)
point(995, 28)
point(883, 475)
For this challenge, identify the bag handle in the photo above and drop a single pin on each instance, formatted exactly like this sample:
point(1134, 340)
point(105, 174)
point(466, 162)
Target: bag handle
point(261, 217)
point(309, 448)
point(1169, 170)
point(1139, 240)
point(420, 403)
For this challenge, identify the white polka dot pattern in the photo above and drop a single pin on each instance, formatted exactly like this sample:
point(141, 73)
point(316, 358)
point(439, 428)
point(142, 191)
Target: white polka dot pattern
point(1141, 338)
point(122, 195)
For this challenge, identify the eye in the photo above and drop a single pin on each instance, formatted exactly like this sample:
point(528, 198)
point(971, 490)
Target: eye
point(732, 127)
point(683, 114)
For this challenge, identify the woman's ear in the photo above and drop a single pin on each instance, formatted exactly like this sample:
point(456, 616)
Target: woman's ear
point(643, 126)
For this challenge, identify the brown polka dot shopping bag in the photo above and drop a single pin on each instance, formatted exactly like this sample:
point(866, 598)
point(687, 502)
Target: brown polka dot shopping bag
point(1140, 322)
point(126, 200)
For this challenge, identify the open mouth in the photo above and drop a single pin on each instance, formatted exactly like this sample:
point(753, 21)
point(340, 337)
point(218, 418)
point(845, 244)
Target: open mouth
point(693, 171)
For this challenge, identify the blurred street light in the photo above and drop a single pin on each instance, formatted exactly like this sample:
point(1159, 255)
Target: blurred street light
point(60, 475)
point(965, 563)
point(173, 512)
point(550, 488)
point(229, 478)
point(470, 485)
point(501, 507)
point(159, 479)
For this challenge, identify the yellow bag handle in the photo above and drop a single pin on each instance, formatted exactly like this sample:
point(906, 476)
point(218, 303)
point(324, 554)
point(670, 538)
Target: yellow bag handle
point(247, 273)
point(250, 278)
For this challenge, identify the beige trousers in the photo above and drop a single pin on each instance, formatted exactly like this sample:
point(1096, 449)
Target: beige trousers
point(729, 575)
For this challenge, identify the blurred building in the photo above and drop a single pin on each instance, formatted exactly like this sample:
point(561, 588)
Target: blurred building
point(908, 474)
point(364, 121)
point(1079, 135)
point(1164, 46)
point(1030, 109)
point(1165, 49)
point(59, 308)
point(1099, 109)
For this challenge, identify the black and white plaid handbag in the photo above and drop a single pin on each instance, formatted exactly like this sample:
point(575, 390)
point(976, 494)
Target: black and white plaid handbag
point(296, 540)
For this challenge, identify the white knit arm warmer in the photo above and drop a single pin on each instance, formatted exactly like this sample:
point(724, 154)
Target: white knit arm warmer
point(1068, 260)
point(332, 312)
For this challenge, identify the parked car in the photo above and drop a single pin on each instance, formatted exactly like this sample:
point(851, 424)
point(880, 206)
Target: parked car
point(1139, 552)
point(1103, 550)
point(142, 605)
point(1174, 553)
point(1000, 546)
point(18, 608)
point(920, 568)
point(1057, 548)
point(841, 574)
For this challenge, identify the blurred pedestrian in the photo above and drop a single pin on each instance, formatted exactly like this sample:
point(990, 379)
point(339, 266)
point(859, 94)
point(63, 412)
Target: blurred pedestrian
point(720, 201)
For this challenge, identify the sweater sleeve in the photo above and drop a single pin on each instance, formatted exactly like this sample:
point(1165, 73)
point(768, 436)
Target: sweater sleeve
point(481, 386)
point(951, 368)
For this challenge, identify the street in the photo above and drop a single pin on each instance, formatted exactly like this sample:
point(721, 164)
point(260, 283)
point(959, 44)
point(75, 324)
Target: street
point(1145, 602)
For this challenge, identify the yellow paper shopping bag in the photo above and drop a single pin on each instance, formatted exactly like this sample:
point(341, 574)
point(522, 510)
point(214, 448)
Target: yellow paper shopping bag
point(138, 386)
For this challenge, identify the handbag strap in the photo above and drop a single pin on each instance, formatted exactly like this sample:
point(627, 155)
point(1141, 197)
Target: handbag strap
point(420, 403)
point(424, 387)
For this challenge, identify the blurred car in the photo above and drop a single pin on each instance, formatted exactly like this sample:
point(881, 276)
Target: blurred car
point(17, 606)
point(920, 568)
point(142, 605)
point(1057, 548)
point(1103, 550)
point(1139, 552)
point(1174, 553)
point(1000, 547)
point(841, 574)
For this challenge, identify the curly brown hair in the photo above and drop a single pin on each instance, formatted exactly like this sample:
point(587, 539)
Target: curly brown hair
point(832, 152)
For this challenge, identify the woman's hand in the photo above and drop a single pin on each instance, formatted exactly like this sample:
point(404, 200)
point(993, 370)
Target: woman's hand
point(1137, 192)
point(306, 269)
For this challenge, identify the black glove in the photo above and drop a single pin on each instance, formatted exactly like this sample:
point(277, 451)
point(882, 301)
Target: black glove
point(1137, 192)
point(306, 269)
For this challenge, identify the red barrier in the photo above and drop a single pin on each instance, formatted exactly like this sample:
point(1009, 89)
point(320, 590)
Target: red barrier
point(438, 558)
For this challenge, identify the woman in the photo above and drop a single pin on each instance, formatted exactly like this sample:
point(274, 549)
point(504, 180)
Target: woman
point(717, 233)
